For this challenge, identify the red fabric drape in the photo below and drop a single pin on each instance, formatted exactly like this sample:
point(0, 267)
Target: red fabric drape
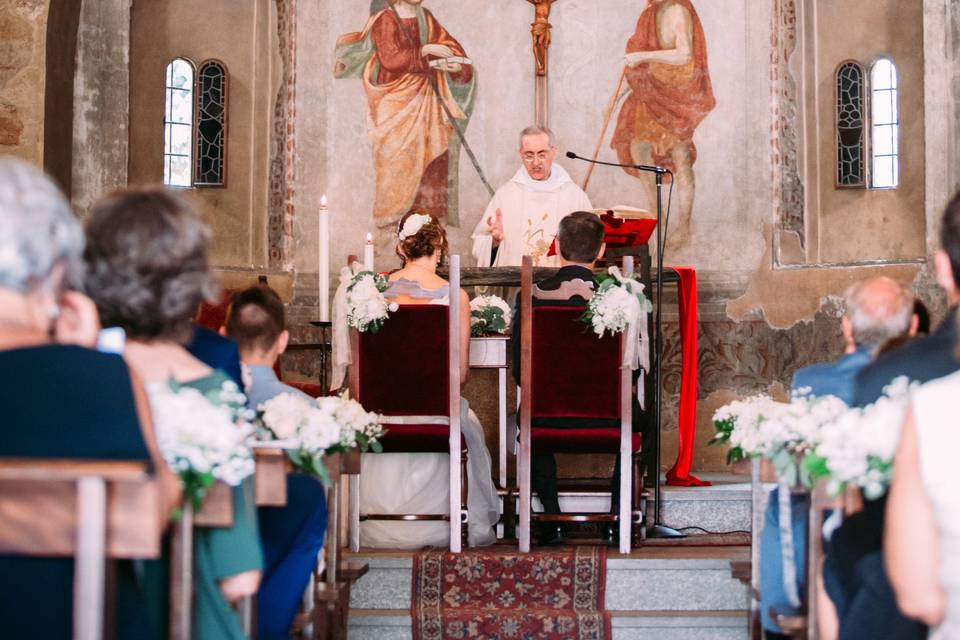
point(679, 474)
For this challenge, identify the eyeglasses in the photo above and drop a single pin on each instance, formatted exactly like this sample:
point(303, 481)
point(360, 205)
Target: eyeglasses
point(530, 156)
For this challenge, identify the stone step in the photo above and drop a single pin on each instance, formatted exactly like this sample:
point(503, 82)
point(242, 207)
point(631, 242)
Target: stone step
point(650, 579)
point(721, 508)
point(396, 624)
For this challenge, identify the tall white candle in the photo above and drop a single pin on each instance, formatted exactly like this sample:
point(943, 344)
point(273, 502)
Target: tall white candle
point(323, 273)
point(368, 253)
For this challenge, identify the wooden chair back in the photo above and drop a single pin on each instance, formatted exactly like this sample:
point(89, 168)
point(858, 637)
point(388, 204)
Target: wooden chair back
point(91, 510)
point(410, 368)
point(612, 403)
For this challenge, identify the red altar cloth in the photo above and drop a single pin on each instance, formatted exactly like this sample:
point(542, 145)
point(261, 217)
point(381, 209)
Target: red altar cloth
point(679, 474)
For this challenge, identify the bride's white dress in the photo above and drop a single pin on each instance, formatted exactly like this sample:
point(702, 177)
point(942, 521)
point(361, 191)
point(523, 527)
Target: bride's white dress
point(393, 483)
point(934, 409)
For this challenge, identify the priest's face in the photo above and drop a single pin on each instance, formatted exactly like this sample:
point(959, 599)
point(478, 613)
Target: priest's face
point(537, 155)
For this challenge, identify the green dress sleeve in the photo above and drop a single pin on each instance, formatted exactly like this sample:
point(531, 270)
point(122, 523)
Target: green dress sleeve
point(223, 552)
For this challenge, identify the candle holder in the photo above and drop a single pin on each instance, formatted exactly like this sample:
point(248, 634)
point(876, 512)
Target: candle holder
point(326, 328)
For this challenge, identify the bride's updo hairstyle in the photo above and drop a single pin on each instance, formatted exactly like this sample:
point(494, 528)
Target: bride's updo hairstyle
point(418, 238)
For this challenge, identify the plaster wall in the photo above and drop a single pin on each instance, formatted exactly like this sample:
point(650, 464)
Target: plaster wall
point(23, 25)
point(889, 222)
point(242, 36)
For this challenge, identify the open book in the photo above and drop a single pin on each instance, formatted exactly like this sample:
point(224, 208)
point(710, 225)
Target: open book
point(625, 212)
point(442, 63)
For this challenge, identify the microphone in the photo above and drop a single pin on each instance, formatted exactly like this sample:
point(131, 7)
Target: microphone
point(639, 167)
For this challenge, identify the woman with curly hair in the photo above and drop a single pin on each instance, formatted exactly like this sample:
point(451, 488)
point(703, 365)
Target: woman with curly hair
point(415, 479)
point(148, 271)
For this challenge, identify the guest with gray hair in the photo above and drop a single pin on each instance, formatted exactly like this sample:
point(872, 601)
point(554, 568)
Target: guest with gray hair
point(876, 310)
point(523, 216)
point(59, 400)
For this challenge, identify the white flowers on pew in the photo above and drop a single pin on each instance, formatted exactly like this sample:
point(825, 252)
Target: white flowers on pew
point(858, 449)
point(617, 302)
point(335, 424)
point(818, 437)
point(367, 308)
point(489, 314)
point(203, 438)
point(783, 432)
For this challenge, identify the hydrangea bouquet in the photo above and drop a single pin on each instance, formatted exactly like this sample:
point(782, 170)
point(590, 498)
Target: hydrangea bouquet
point(203, 438)
point(784, 432)
point(859, 447)
point(618, 302)
point(367, 308)
point(489, 314)
point(333, 425)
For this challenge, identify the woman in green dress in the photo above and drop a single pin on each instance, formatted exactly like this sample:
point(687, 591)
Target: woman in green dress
point(148, 271)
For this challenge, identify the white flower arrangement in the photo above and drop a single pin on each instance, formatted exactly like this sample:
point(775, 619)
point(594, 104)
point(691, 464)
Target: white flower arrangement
point(858, 448)
point(617, 303)
point(413, 224)
point(489, 314)
point(367, 308)
point(812, 438)
point(203, 438)
point(783, 432)
point(331, 425)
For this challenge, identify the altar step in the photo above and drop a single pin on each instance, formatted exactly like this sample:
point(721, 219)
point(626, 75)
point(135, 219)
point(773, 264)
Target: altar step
point(656, 592)
point(395, 624)
point(723, 507)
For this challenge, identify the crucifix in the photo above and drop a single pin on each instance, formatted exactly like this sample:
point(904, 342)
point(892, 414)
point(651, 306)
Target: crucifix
point(540, 32)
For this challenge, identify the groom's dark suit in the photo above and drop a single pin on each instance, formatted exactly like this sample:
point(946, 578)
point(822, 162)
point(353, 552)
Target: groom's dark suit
point(543, 466)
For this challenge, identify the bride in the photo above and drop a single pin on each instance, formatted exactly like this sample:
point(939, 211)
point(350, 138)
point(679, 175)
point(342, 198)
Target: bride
point(417, 481)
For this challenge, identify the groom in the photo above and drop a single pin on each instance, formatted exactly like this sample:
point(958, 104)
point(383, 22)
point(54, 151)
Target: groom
point(579, 245)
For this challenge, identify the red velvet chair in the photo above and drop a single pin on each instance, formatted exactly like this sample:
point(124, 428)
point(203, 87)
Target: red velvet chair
point(566, 373)
point(409, 371)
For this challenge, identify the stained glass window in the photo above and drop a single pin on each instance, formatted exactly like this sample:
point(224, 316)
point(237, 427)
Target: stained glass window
point(211, 148)
point(178, 124)
point(850, 125)
point(885, 125)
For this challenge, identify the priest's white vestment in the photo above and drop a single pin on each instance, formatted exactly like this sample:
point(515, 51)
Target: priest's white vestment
point(531, 211)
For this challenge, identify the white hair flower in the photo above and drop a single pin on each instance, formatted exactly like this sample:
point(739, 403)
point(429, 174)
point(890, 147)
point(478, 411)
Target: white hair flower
point(413, 224)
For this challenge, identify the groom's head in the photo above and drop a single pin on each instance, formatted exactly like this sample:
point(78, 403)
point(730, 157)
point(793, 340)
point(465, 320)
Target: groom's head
point(580, 238)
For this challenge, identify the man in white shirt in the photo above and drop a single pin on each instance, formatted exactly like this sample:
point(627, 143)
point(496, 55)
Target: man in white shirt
point(524, 214)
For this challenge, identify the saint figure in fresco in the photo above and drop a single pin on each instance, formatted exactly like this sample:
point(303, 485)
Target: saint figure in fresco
point(669, 95)
point(418, 81)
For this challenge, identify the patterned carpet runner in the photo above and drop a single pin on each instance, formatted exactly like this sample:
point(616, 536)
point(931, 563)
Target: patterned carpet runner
point(546, 594)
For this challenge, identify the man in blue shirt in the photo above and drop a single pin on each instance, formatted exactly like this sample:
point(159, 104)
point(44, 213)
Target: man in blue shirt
point(876, 310)
point(292, 535)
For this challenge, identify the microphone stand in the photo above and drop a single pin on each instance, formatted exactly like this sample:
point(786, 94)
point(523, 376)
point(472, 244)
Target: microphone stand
point(657, 529)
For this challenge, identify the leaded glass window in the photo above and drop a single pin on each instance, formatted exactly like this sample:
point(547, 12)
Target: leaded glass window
point(178, 124)
point(850, 125)
point(885, 125)
point(211, 149)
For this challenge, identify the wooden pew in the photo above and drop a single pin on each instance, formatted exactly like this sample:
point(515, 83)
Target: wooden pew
point(216, 511)
point(332, 592)
point(89, 509)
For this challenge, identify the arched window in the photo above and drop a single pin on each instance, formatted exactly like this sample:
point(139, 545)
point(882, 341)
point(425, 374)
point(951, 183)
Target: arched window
point(850, 125)
point(211, 148)
point(178, 124)
point(885, 125)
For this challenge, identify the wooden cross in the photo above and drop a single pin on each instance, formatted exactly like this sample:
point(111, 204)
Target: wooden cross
point(540, 33)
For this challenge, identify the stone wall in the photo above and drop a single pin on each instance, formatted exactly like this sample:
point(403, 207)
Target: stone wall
point(243, 35)
point(23, 42)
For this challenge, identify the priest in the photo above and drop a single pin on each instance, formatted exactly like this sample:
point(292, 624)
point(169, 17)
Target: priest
point(523, 216)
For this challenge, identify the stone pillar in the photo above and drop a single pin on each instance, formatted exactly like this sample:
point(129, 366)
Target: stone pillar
point(101, 104)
